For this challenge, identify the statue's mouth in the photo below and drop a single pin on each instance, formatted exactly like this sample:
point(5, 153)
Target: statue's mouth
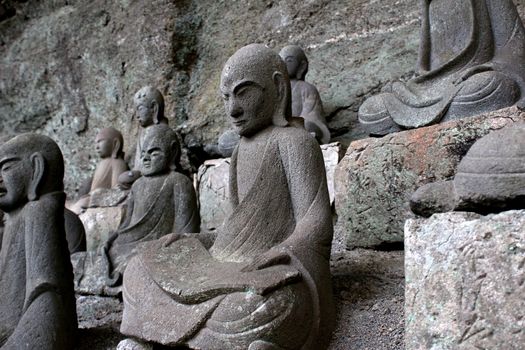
point(3, 191)
point(239, 122)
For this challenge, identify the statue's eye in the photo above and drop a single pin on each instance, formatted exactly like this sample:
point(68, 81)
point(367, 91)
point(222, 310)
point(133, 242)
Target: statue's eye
point(225, 97)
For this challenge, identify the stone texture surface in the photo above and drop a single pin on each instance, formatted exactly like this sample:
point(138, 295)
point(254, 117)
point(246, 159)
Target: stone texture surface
point(213, 192)
point(376, 177)
point(98, 223)
point(98, 312)
point(465, 281)
point(68, 68)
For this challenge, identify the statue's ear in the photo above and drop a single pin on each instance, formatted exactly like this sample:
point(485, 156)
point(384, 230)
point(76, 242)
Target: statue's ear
point(302, 70)
point(155, 108)
point(282, 87)
point(39, 164)
point(116, 148)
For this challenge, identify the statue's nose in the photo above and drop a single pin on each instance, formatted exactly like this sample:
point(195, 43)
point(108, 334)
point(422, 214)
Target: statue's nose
point(235, 111)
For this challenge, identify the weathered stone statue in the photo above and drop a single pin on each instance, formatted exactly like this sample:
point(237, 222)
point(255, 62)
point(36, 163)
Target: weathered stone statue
point(161, 201)
point(37, 302)
point(489, 179)
point(149, 109)
point(109, 145)
point(306, 102)
point(470, 59)
point(265, 281)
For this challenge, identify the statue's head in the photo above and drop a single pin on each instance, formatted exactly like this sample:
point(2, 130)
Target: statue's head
point(256, 89)
point(149, 106)
point(295, 60)
point(160, 151)
point(31, 165)
point(109, 143)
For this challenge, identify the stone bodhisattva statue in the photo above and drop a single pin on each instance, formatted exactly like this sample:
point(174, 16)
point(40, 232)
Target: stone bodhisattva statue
point(470, 59)
point(489, 179)
point(161, 201)
point(265, 282)
point(306, 102)
point(149, 109)
point(109, 144)
point(37, 302)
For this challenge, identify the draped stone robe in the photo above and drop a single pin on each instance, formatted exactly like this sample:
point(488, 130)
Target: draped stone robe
point(181, 294)
point(37, 303)
point(471, 59)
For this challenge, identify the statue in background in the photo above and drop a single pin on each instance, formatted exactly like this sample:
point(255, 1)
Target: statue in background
point(306, 102)
point(109, 145)
point(37, 301)
point(149, 109)
point(161, 201)
point(471, 60)
point(265, 282)
point(489, 179)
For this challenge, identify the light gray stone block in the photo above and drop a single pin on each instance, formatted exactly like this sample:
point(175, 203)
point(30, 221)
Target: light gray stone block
point(465, 281)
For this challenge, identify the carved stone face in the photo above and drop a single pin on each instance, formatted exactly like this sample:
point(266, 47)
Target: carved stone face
point(292, 65)
point(145, 114)
point(248, 100)
point(155, 156)
point(104, 145)
point(295, 60)
point(15, 176)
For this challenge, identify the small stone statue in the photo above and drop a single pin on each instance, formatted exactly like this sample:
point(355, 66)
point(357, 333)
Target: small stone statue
point(489, 179)
point(37, 302)
point(109, 145)
point(265, 282)
point(306, 102)
point(471, 58)
point(161, 201)
point(149, 109)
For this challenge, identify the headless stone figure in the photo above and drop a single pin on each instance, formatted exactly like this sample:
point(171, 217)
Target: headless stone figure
point(37, 302)
point(306, 102)
point(161, 201)
point(471, 61)
point(265, 282)
point(489, 179)
point(109, 144)
point(149, 109)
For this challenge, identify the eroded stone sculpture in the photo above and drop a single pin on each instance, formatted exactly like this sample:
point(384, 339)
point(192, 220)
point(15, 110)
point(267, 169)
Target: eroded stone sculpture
point(37, 303)
point(161, 201)
point(306, 102)
point(470, 61)
point(490, 178)
point(109, 145)
point(265, 281)
point(149, 110)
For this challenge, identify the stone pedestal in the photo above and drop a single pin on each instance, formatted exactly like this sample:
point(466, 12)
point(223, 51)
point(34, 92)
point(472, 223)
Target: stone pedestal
point(213, 188)
point(98, 223)
point(465, 281)
point(377, 176)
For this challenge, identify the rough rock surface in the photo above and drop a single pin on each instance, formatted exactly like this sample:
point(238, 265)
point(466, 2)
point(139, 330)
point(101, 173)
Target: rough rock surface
point(465, 281)
point(213, 188)
point(213, 192)
point(376, 177)
point(68, 68)
point(98, 223)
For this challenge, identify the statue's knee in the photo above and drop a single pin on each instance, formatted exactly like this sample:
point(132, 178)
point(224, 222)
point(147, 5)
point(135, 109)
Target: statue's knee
point(263, 345)
point(490, 87)
point(373, 110)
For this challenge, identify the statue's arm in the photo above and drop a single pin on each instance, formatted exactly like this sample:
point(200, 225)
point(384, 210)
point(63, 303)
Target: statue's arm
point(424, 37)
point(128, 210)
point(312, 105)
point(187, 218)
point(42, 326)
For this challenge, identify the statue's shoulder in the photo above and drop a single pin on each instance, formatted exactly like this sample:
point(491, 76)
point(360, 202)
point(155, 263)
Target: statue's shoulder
point(295, 137)
point(180, 178)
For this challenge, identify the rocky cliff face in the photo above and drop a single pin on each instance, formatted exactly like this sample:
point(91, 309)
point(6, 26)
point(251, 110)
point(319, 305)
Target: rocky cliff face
point(69, 68)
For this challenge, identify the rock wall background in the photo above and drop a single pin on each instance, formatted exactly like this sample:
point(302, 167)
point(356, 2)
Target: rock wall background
point(70, 67)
